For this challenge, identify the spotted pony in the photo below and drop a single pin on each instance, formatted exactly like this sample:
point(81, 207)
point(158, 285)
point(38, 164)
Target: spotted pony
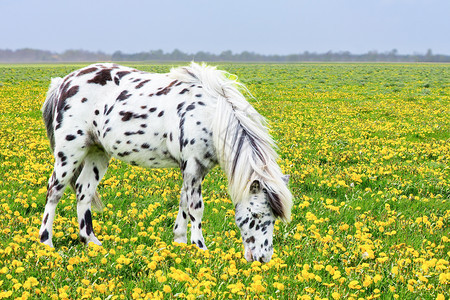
point(193, 117)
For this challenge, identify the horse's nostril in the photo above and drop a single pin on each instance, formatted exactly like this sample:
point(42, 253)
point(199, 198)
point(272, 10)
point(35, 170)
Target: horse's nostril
point(261, 259)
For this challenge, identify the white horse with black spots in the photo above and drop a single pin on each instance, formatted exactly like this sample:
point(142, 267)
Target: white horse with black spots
point(193, 118)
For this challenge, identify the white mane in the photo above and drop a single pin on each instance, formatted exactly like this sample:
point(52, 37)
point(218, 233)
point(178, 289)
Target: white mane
point(244, 148)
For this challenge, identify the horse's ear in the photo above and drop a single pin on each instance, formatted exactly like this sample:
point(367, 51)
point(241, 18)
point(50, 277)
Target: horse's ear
point(285, 178)
point(255, 187)
point(275, 204)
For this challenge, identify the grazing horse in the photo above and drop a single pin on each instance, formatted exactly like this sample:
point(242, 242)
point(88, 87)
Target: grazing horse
point(193, 117)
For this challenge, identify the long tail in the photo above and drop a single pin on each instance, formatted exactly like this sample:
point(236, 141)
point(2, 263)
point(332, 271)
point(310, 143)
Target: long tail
point(48, 113)
point(244, 148)
point(49, 109)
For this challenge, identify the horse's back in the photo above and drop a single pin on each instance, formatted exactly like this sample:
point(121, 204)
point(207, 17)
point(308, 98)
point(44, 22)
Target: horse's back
point(146, 119)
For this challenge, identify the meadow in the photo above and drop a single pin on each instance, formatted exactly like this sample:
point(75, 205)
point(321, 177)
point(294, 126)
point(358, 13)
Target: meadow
point(368, 150)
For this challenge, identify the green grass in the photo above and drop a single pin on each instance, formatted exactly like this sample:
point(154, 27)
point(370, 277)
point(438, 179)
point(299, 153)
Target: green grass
point(367, 147)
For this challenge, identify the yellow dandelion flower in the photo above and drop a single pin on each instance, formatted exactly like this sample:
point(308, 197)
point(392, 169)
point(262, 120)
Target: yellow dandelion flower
point(335, 295)
point(354, 284)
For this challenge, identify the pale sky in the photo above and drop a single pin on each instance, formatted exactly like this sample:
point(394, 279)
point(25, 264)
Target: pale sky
point(261, 26)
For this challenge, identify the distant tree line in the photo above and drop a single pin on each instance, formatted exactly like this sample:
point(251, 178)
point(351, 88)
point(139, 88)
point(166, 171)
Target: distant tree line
point(33, 55)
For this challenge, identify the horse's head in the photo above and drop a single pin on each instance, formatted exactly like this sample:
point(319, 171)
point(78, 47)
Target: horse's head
point(255, 218)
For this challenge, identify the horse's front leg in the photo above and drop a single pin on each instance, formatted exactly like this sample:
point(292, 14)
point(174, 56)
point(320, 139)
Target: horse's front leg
point(195, 212)
point(191, 206)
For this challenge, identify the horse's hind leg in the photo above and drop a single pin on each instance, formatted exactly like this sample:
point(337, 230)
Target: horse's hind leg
point(94, 167)
point(180, 227)
point(65, 167)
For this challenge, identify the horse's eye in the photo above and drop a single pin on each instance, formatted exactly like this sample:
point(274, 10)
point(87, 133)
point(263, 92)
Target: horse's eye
point(256, 216)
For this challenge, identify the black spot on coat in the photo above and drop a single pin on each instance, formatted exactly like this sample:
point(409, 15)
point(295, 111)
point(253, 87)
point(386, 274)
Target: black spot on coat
point(44, 236)
point(97, 177)
point(166, 90)
point(122, 73)
point(87, 71)
point(142, 84)
point(45, 219)
point(192, 218)
point(88, 218)
point(252, 224)
point(250, 239)
point(198, 205)
point(123, 96)
point(66, 93)
point(109, 110)
point(126, 115)
point(102, 77)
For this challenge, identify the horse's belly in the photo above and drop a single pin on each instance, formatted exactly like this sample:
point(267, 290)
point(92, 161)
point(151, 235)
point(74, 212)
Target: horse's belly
point(149, 160)
point(153, 145)
point(142, 152)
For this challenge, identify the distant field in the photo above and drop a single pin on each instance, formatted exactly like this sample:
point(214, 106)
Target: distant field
point(368, 150)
